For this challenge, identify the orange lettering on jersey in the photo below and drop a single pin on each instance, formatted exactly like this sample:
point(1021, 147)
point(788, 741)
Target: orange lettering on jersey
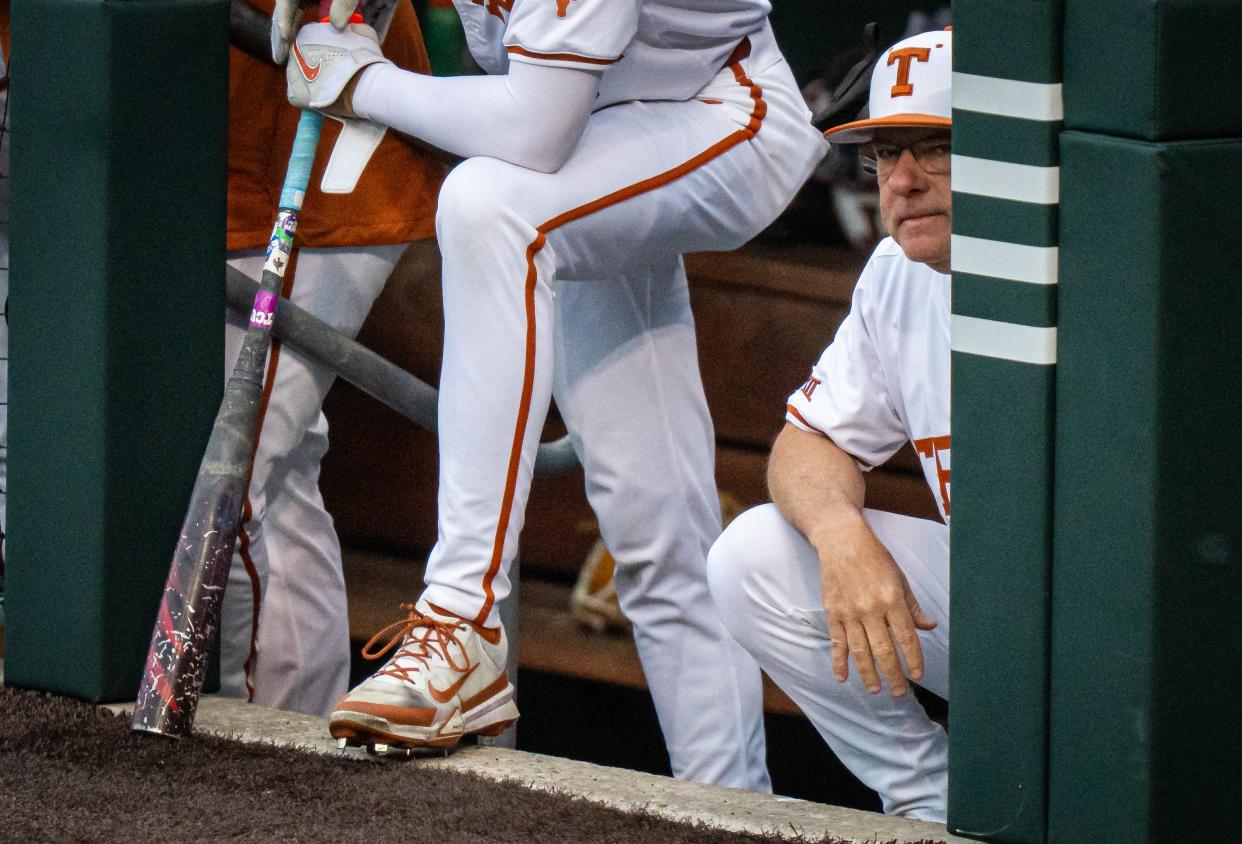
point(808, 389)
point(562, 6)
point(903, 58)
point(932, 448)
point(499, 8)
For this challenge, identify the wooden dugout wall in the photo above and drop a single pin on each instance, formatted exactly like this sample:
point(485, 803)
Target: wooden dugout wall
point(1095, 333)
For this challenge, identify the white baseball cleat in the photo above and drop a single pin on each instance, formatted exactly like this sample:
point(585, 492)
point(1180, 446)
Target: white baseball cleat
point(325, 58)
point(447, 680)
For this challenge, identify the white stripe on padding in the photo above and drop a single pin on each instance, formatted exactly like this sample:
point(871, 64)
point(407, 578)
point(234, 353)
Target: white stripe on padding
point(1007, 97)
point(998, 259)
point(1005, 340)
point(1002, 180)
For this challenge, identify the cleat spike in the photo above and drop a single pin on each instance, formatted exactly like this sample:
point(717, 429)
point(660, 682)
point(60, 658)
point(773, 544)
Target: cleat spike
point(379, 749)
point(342, 743)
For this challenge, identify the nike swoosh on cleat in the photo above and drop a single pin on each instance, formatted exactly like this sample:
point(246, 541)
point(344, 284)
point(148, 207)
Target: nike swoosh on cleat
point(308, 70)
point(447, 695)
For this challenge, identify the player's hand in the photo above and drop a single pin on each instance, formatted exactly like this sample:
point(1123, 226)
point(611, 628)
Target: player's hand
point(285, 19)
point(325, 61)
point(872, 614)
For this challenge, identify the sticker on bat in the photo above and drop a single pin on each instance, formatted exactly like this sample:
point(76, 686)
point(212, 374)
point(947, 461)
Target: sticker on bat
point(264, 309)
point(280, 244)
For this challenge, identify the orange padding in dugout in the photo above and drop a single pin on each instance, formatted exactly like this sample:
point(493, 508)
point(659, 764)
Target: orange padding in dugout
point(760, 109)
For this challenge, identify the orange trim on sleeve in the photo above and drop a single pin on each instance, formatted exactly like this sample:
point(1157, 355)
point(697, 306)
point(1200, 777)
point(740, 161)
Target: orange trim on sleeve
point(561, 57)
point(793, 411)
point(532, 277)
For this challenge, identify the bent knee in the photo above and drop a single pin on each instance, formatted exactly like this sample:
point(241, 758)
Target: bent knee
point(476, 197)
point(740, 554)
point(762, 566)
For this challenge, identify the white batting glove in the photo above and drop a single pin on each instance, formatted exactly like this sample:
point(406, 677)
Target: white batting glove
point(325, 59)
point(285, 21)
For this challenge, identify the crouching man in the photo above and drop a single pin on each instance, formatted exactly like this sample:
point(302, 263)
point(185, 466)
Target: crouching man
point(815, 580)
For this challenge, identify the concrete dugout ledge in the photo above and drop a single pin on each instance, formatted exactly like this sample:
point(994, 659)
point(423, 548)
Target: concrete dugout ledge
point(728, 808)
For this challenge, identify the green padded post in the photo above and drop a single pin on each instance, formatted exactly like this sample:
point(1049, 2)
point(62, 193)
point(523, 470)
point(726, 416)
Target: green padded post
point(119, 116)
point(1156, 70)
point(1148, 569)
point(1144, 741)
point(1006, 119)
point(445, 38)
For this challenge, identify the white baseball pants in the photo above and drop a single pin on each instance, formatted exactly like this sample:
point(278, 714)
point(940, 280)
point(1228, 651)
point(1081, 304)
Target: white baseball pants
point(764, 577)
point(284, 639)
point(573, 281)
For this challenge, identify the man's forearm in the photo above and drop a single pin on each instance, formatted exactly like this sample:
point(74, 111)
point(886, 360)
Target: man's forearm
point(872, 614)
point(816, 486)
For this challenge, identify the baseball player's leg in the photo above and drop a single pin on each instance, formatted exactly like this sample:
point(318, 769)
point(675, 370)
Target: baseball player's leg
point(627, 384)
point(338, 286)
point(647, 181)
point(764, 577)
point(304, 624)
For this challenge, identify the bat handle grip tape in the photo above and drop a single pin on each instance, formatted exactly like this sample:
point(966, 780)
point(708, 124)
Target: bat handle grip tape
point(305, 142)
point(301, 159)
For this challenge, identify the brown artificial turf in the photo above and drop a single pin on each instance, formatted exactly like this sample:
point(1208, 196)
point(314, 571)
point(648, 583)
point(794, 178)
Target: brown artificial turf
point(71, 772)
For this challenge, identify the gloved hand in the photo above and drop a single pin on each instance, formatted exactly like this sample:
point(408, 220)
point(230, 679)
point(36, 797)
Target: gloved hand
point(285, 20)
point(325, 59)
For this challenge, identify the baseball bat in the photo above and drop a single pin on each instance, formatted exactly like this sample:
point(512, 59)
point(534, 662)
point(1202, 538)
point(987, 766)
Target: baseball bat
point(190, 610)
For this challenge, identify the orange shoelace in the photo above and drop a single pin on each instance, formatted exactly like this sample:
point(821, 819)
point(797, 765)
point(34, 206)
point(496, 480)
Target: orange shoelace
point(433, 638)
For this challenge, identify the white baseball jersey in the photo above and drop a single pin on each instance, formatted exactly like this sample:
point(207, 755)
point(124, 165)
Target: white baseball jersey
point(884, 379)
point(649, 49)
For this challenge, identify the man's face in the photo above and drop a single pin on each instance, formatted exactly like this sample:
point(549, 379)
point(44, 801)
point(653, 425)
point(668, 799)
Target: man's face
point(916, 204)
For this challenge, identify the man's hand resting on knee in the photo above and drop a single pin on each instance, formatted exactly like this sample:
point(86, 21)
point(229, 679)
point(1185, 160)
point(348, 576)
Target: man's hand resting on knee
point(872, 614)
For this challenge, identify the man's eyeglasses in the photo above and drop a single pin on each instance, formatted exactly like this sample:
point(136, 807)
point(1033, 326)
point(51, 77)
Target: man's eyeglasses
point(934, 155)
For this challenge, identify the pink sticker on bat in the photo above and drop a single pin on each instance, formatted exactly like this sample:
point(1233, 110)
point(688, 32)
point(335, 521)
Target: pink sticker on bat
point(264, 309)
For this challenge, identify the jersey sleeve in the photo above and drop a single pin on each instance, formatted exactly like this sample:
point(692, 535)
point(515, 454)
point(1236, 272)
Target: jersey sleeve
point(847, 398)
point(573, 33)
